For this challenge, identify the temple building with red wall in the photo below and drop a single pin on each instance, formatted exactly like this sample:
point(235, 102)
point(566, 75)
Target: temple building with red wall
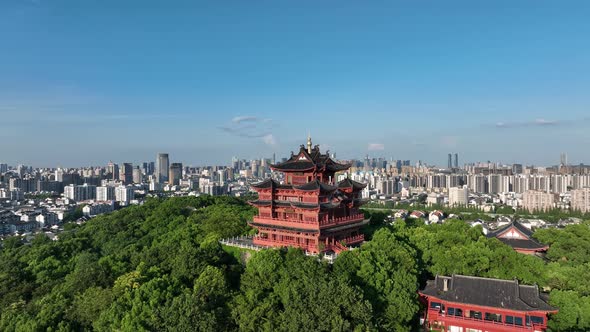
point(519, 237)
point(309, 209)
point(473, 304)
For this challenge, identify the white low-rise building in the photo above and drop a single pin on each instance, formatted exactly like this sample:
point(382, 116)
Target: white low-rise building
point(98, 208)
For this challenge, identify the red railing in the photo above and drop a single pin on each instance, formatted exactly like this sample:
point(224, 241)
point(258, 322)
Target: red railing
point(338, 248)
point(261, 241)
point(353, 239)
point(287, 222)
point(342, 220)
point(435, 314)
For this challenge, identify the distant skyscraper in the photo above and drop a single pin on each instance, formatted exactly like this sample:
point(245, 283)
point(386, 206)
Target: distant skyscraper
point(3, 168)
point(563, 159)
point(517, 168)
point(126, 173)
point(113, 170)
point(450, 162)
point(162, 167)
point(59, 175)
point(175, 174)
point(456, 160)
point(137, 175)
point(148, 168)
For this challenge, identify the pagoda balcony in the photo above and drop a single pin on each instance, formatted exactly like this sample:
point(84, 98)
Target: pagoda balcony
point(435, 315)
point(312, 225)
point(353, 239)
point(342, 221)
point(262, 241)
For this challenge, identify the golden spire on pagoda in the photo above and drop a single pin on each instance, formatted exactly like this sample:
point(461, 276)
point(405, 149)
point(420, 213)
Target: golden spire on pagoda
point(308, 142)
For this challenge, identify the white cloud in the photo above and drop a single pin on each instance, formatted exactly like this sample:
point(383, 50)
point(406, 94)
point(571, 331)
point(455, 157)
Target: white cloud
point(269, 140)
point(544, 122)
point(240, 119)
point(537, 122)
point(250, 127)
point(376, 147)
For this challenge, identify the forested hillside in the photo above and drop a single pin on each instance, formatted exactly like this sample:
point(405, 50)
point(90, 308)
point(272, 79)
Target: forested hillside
point(159, 267)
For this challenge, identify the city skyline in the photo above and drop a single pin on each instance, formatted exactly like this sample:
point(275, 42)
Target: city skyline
point(83, 84)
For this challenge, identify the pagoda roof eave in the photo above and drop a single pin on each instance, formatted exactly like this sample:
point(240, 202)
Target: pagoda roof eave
point(268, 183)
point(293, 168)
point(316, 185)
point(260, 203)
point(348, 183)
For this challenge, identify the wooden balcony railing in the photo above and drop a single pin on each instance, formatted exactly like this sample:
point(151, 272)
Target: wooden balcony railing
point(353, 239)
point(436, 314)
point(312, 225)
point(343, 220)
point(272, 243)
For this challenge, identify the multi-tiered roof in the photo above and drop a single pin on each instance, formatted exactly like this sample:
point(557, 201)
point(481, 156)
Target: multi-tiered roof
point(309, 209)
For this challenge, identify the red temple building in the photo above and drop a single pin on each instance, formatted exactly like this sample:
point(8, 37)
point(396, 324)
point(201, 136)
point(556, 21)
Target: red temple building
point(473, 304)
point(519, 238)
point(309, 209)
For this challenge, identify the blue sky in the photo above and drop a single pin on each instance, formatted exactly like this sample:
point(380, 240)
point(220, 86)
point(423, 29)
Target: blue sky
point(84, 82)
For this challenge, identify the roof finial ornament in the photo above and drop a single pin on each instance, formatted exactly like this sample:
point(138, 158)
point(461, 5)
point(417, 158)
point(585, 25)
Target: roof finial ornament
point(308, 142)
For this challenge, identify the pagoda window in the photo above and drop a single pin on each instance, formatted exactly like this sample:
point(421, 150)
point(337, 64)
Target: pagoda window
point(513, 320)
point(475, 314)
point(493, 317)
point(537, 320)
point(436, 305)
point(455, 312)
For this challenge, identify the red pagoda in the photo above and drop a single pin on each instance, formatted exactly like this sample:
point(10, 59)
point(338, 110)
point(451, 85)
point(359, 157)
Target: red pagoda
point(308, 209)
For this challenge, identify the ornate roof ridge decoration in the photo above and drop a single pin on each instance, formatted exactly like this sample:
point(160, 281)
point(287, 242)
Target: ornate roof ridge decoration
point(528, 243)
point(303, 161)
point(516, 224)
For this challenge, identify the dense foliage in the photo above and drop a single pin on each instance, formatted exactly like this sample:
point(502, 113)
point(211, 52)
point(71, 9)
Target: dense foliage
point(160, 267)
point(152, 267)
